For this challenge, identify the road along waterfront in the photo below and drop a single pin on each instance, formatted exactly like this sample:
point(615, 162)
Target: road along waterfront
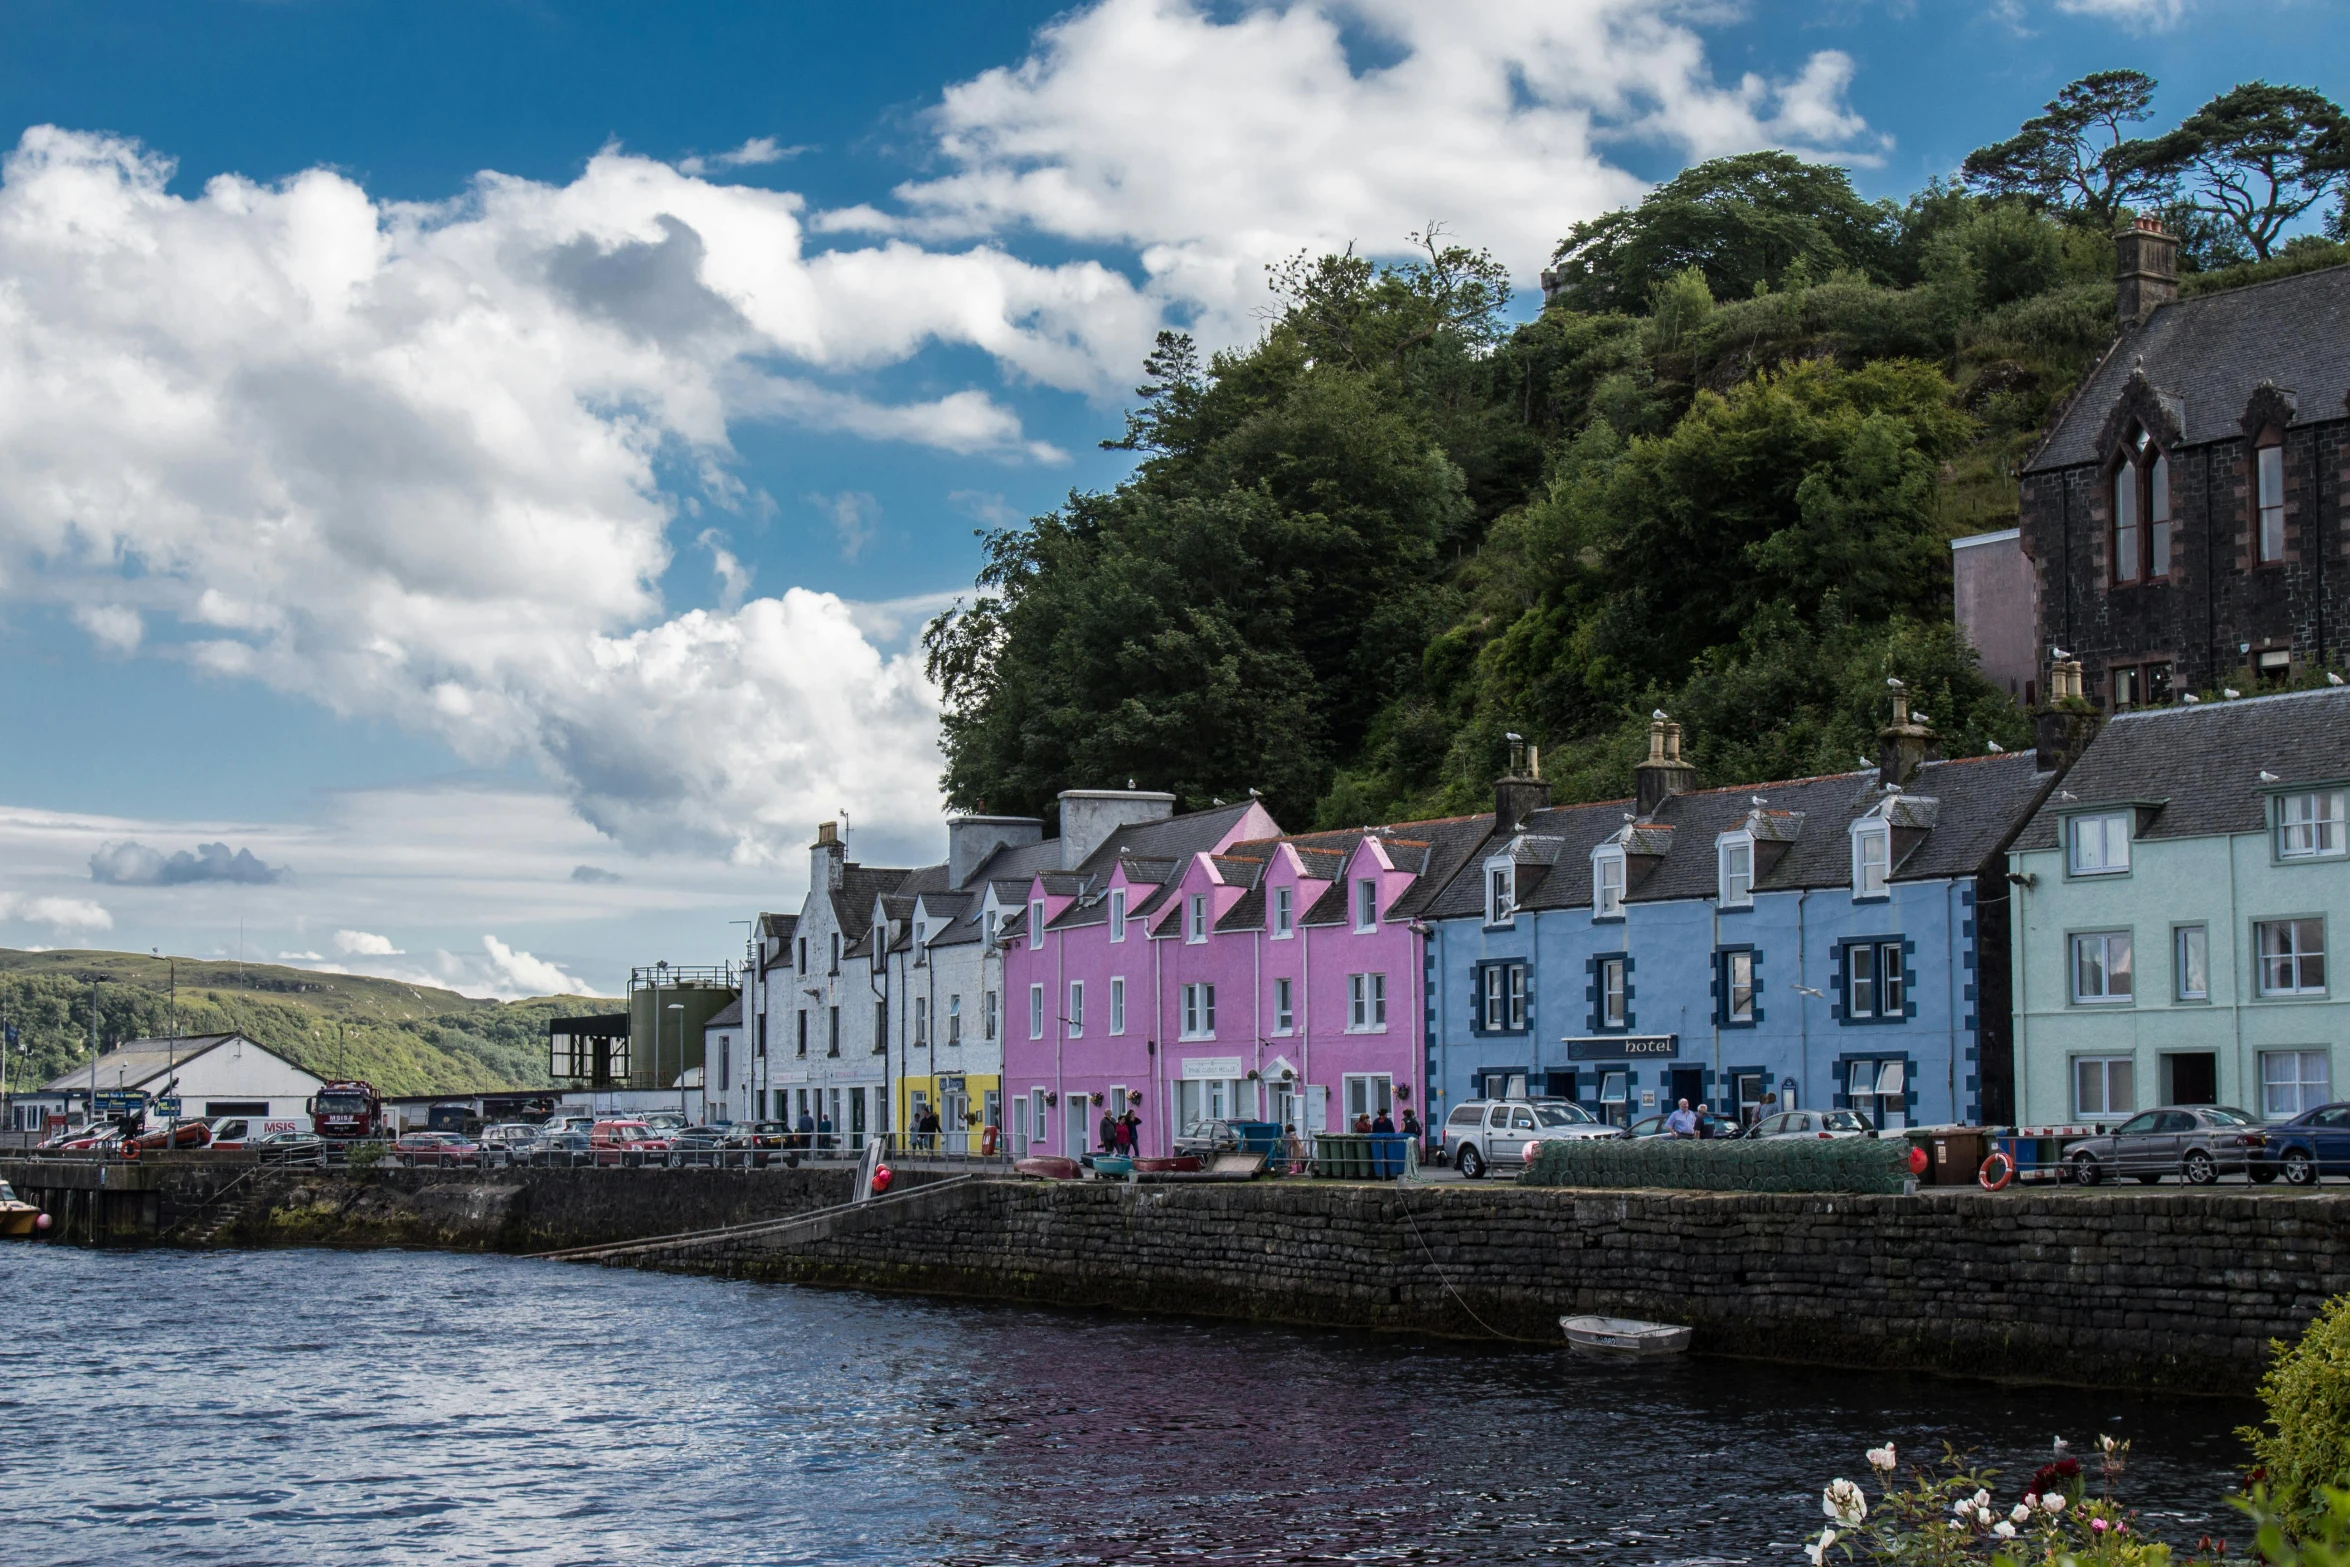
point(305, 1406)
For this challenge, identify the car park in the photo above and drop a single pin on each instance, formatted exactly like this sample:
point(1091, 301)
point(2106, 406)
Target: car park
point(441, 1150)
point(561, 1150)
point(626, 1143)
point(1487, 1134)
point(504, 1144)
point(2306, 1149)
point(701, 1145)
point(2197, 1143)
point(1817, 1124)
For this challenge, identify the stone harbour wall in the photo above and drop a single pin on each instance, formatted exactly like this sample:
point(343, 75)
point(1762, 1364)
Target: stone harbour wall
point(2181, 1290)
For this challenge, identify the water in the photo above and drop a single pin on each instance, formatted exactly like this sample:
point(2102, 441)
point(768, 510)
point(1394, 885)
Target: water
point(391, 1407)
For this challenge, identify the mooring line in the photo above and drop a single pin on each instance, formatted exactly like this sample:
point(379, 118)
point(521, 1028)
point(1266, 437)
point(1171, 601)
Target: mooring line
point(1439, 1267)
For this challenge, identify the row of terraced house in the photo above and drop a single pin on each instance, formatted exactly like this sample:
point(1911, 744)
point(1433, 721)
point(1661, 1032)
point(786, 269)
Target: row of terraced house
point(2136, 911)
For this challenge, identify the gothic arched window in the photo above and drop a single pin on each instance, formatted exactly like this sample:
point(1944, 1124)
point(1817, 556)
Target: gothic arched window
point(2141, 512)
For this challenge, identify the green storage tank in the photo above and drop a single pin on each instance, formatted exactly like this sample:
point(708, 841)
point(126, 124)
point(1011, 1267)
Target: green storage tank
point(667, 1010)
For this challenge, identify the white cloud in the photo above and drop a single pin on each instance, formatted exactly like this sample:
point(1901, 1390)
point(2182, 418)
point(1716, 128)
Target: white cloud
point(407, 461)
point(364, 944)
point(2144, 15)
point(751, 154)
point(1210, 143)
point(63, 915)
point(855, 517)
point(116, 627)
point(734, 578)
point(528, 976)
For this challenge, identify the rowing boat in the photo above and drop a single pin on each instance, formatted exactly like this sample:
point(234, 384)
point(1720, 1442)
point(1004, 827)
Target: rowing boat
point(1624, 1336)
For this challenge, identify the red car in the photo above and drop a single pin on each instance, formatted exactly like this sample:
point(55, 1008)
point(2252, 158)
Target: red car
point(629, 1143)
point(443, 1150)
point(188, 1134)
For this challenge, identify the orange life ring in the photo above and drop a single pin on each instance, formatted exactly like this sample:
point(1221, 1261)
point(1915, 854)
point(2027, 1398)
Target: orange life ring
point(2006, 1162)
point(987, 1141)
point(130, 1149)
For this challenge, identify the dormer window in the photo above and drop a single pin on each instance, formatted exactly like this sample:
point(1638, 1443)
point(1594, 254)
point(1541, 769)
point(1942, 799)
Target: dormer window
point(1117, 914)
point(2098, 845)
point(1501, 903)
point(1607, 883)
point(2310, 826)
point(2268, 461)
point(1195, 917)
point(1036, 924)
point(1284, 912)
point(1366, 905)
point(2141, 512)
point(1872, 857)
point(1736, 871)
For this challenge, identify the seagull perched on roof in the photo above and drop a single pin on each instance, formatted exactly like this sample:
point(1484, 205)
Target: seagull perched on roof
point(2230, 692)
point(2066, 794)
point(2056, 652)
point(1893, 682)
point(2333, 679)
point(1865, 762)
point(2189, 697)
point(1212, 800)
point(2268, 777)
point(1659, 715)
point(1996, 748)
point(1758, 799)
point(1919, 718)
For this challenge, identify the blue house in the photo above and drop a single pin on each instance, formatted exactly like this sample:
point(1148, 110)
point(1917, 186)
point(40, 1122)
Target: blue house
point(1838, 941)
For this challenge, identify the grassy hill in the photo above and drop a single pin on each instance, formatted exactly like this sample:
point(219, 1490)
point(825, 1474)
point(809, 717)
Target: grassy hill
point(405, 1039)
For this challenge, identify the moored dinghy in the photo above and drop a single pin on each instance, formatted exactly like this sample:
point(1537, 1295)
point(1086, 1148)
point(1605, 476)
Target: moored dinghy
point(1624, 1336)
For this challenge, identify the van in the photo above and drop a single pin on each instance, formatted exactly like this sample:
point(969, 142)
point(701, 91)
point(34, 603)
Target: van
point(1487, 1134)
point(626, 1143)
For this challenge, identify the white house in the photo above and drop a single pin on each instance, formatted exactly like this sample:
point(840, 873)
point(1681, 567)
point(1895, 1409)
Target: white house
point(214, 1074)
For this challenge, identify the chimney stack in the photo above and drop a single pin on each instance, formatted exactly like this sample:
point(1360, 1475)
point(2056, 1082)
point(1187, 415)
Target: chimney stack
point(1905, 745)
point(1521, 792)
point(826, 857)
point(2146, 269)
point(1664, 774)
point(2064, 728)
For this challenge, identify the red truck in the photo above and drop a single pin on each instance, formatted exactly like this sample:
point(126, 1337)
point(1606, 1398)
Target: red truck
point(346, 1111)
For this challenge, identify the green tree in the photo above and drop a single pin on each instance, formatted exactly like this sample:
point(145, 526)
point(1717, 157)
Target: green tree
point(1745, 223)
point(2076, 155)
point(2255, 158)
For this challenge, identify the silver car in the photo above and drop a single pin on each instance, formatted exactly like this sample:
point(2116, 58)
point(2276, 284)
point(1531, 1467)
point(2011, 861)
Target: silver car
point(2199, 1143)
point(508, 1144)
point(1487, 1134)
point(1811, 1123)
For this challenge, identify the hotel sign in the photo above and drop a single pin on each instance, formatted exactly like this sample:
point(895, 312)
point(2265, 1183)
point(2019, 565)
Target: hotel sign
point(1622, 1047)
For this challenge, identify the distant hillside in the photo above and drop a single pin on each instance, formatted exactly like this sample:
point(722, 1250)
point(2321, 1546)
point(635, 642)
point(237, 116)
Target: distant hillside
point(405, 1039)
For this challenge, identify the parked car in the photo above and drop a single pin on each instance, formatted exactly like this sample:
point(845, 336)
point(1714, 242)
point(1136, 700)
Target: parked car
point(664, 1122)
point(1487, 1134)
point(1207, 1139)
point(442, 1150)
point(185, 1135)
point(703, 1145)
point(626, 1143)
point(2311, 1146)
point(753, 1143)
point(90, 1139)
point(288, 1147)
point(1717, 1127)
point(2199, 1143)
point(1812, 1123)
point(561, 1150)
point(504, 1144)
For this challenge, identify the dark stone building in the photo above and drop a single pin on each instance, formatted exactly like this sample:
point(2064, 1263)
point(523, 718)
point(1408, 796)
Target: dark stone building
point(2184, 514)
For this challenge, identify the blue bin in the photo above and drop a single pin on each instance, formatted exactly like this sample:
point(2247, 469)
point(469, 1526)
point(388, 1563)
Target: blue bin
point(1259, 1137)
point(1387, 1155)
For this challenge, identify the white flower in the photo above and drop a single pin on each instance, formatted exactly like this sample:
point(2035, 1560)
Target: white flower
point(1843, 1501)
point(1881, 1458)
point(2108, 1443)
point(2003, 1529)
point(2053, 1501)
point(2020, 1511)
point(1983, 1501)
point(1962, 1507)
point(1955, 1524)
point(2061, 1445)
point(1820, 1551)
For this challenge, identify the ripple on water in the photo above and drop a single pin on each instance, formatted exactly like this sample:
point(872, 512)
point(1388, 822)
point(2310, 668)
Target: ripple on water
point(411, 1406)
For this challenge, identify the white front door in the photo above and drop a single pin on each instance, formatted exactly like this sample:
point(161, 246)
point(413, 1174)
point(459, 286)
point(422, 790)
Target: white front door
point(1075, 1114)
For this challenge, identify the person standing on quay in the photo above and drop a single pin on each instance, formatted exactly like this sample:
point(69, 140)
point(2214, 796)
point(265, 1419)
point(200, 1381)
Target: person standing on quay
point(1681, 1123)
point(1109, 1132)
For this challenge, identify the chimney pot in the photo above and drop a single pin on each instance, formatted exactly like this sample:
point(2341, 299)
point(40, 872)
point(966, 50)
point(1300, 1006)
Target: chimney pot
point(2145, 270)
point(1664, 774)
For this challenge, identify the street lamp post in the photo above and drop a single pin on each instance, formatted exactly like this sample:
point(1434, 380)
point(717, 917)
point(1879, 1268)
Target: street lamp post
point(678, 1007)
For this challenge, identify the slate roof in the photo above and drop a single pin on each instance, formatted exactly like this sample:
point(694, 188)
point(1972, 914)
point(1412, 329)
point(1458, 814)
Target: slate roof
point(728, 1016)
point(2205, 761)
point(1175, 838)
point(852, 902)
point(2206, 356)
point(137, 1062)
point(1017, 864)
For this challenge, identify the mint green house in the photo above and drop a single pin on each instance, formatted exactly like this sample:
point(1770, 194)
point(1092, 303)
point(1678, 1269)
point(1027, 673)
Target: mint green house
point(2175, 902)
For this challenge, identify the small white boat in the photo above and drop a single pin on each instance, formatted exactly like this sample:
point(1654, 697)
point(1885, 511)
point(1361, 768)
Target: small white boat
point(1624, 1336)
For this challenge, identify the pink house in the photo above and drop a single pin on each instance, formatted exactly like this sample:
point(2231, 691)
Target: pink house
point(1251, 976)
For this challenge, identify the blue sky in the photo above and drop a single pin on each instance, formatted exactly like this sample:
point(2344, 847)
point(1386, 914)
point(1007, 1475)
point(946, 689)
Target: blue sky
point(415, 419)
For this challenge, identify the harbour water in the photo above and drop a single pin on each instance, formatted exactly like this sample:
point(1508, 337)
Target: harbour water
point(316, 1407)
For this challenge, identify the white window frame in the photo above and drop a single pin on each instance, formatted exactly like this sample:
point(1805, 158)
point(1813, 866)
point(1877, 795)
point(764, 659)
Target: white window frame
point(1284, 1007)
point(1607, 883)
point(2103, 1066)
point(1615, 1005)
point(1366, 904)
point(2268, 462)
point(2310, 825)
point(2295, 959)
point(1076, 1018)
point(921, 1022)
point(1199, 1010)
point(2097, 843)
point(1501, 903)
point(1732, 1015)
point(954, 1019)
point(1036, 1012)
point(987, 1015)
point(2103, 943)
point(1284, 913)
point(1615, 1086)
point(1366, 1003)
point(1117, 914)
point(1117, 1003)
point(1036, 924)
point(1195, 918)
point(1734, 870)
point(2186, 940)
point(1872, 858)
point(2300, 1090)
